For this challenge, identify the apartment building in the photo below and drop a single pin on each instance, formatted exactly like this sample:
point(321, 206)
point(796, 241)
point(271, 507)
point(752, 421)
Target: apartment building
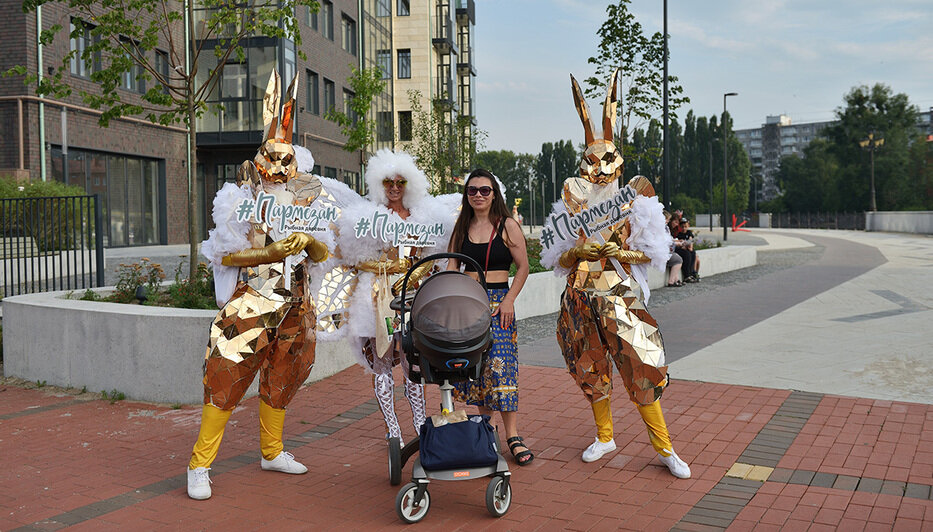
point(139, 168)
point(779, 137)
point(776, 138)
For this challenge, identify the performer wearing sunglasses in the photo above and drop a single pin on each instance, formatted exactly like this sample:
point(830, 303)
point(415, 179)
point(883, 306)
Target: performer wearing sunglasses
point(487, 233)
point(353, 299)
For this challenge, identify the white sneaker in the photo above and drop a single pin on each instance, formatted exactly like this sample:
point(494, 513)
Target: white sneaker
point(284, 463)
point(597, 449)
point(678, 467)
point(199, 483)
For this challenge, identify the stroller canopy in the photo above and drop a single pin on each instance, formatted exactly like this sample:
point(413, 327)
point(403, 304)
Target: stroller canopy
point(451, 307)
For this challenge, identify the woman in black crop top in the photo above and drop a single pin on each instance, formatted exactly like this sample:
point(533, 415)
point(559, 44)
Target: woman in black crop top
point(488, 234)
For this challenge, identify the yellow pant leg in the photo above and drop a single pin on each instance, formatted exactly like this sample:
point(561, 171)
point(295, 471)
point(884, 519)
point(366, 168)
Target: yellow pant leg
point(213, 421)
point(602, 414)
point(271, 425)
point(657, 428)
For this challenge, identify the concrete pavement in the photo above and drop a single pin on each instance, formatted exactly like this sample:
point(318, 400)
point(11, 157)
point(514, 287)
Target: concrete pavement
point(778, 403)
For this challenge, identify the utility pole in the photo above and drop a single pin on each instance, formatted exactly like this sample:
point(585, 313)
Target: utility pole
point(870, 144)
point(553, 178)
point(664, 154)
point(531, 197)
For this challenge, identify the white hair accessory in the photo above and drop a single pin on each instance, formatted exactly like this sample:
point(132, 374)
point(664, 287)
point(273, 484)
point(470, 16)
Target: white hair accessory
point(502, 188)
point(388, 164)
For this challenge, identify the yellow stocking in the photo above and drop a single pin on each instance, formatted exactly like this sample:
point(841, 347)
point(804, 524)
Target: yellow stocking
point(602, 414)
point(213, 421)
point(657, 428)
point(271, 425)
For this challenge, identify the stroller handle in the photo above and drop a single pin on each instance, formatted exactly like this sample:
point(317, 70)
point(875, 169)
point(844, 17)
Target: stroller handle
point(446, 255)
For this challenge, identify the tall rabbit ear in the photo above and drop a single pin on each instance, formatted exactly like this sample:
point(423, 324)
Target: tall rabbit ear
point(270, 105)
point(289, 110)
point(609, 109)
point(583, 110)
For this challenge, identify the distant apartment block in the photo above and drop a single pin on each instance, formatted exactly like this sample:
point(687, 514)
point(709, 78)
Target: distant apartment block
point(779, 137)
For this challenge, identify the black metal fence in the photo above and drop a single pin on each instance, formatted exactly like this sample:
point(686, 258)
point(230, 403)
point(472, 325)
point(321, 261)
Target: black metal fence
point(50, 243)
point(819, 220)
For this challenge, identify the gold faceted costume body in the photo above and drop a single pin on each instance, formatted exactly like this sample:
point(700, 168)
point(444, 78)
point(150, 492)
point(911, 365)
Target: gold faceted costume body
point(267, 326)
point(603, 320)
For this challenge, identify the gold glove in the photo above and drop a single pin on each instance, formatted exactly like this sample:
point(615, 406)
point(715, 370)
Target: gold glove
point(390, 266)
point(611, 249)
point(588, 252)
point(274, 252)
point(416, 275)
point(316, 249)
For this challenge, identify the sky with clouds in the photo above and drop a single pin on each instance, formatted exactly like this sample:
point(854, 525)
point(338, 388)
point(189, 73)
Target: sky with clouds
point(796, 57)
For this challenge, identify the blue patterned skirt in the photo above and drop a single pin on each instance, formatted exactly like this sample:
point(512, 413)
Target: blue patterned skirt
point(497, 387)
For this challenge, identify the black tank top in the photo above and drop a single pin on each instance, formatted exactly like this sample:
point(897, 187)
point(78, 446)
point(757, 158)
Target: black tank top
point(500, 258)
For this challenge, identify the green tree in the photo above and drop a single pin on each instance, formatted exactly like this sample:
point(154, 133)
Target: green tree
point(124, 38)
point(359, 126)
point(513, 169)
point(566, 164)
point(624, 45)
point(444, 145)
point(890, 116)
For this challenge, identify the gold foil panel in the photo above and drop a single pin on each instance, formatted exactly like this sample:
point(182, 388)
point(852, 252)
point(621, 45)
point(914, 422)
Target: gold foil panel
point(333, 301)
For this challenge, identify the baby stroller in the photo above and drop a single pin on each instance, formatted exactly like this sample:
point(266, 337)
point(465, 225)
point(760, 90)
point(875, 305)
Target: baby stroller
point(447, 339)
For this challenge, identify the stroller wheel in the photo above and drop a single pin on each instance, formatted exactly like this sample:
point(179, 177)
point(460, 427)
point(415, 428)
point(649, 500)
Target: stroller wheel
point(395, 462)
point(407, 508)
point(498, 496)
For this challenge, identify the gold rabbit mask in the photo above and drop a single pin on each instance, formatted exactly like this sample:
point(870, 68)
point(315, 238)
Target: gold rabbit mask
point(275, 160)
point(602, 162)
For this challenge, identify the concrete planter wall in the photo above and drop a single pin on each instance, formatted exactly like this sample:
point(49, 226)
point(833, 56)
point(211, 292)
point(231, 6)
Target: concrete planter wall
point(900, 222)
point(156, 353)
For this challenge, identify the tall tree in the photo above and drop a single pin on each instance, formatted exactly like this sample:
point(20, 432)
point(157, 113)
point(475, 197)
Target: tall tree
point(358, 126)
point(124, 37)
point(444, 146)
point(640, 58)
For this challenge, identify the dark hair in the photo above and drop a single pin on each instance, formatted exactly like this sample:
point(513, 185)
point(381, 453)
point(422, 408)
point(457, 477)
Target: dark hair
point(497, 211)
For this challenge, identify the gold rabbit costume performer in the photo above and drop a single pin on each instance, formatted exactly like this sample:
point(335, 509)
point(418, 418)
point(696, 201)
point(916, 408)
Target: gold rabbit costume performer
point(266, 323)
point(365, 270)
point(603, 318)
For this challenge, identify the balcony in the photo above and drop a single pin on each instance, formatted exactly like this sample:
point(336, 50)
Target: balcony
point(444, 29)
point(466, 11)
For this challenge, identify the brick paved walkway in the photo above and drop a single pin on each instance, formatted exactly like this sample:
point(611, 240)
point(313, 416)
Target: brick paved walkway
point(761, 458)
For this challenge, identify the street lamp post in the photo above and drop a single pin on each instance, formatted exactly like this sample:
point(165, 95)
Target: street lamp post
point(665, 162)
point(870, 144)
point(553, 178)
point(531, 197)
point(710, 186)
point(725, 164)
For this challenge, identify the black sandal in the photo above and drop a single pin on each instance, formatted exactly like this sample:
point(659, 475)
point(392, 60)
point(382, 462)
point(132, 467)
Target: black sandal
point(516, 441)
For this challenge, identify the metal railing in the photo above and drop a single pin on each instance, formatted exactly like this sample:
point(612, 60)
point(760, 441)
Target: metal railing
point(50, 243)
point(818, 220)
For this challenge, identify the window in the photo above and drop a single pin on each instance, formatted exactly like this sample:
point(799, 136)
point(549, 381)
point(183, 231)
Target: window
point(316, 170)
point(404, 64)
point(348, 34)
point(233, 81)
point(347, 109)
point(161, 66)
point(314, 94)
point(404, 126)
point(330, 96)
point(311, 19)
point(383, 8)
point(384, 126)
point(327, 16)
point(330, 172)
point(384, 60)
point(132, 79)
point(402, 8)
point(79, 44)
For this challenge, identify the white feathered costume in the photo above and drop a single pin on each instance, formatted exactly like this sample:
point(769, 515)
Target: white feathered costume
point(345, 292)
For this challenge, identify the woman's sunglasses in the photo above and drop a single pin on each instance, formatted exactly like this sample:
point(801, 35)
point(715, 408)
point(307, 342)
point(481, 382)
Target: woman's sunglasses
point(388, 183)
point(482, 191)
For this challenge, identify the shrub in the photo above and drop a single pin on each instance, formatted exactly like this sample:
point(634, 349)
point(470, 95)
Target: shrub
point(131, 276)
